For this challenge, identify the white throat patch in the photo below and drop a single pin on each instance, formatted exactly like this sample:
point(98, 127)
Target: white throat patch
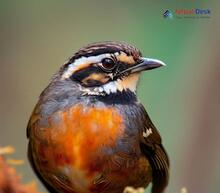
point(127, 83)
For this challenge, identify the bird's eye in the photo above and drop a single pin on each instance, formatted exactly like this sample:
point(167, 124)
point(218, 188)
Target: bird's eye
point(108, 64)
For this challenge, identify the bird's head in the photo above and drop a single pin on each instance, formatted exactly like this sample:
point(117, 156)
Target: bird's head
point(107, 67)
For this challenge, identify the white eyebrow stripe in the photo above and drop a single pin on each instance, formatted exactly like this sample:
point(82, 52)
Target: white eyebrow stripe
point(74, 66)
point(89, 59)
point(83, 60)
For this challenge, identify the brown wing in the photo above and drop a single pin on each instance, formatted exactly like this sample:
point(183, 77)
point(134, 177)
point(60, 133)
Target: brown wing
point(153, 149)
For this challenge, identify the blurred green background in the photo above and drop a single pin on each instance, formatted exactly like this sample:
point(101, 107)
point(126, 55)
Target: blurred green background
point(182, 99)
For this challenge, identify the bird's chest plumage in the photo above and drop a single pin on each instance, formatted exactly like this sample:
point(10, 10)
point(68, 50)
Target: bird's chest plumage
point(89, 149)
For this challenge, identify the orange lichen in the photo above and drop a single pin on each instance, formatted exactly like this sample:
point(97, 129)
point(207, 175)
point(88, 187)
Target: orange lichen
point(10, 182)
point(15, 161)
point(6, 150)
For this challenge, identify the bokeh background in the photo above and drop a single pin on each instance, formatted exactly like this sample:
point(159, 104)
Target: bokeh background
point(182, 99)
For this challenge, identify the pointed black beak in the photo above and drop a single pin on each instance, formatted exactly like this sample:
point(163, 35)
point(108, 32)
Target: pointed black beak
point(143, 65)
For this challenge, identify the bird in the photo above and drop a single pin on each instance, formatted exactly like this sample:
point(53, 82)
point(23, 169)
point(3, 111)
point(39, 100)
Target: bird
point(89, 133)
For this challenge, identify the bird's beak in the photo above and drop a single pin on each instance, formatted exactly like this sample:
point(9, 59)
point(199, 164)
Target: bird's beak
point(146, 64)
point(143, 65)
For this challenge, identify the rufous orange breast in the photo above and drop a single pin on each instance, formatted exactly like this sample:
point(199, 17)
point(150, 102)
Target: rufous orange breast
point(77, 151)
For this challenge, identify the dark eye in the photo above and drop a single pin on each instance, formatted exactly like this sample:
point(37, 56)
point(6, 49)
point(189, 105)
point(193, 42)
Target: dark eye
point(108, 64)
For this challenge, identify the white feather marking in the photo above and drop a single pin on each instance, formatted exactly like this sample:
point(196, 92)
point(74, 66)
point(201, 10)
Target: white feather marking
point(110, 87)
point(81, 61)
point(147, 133)
point(127, 83)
